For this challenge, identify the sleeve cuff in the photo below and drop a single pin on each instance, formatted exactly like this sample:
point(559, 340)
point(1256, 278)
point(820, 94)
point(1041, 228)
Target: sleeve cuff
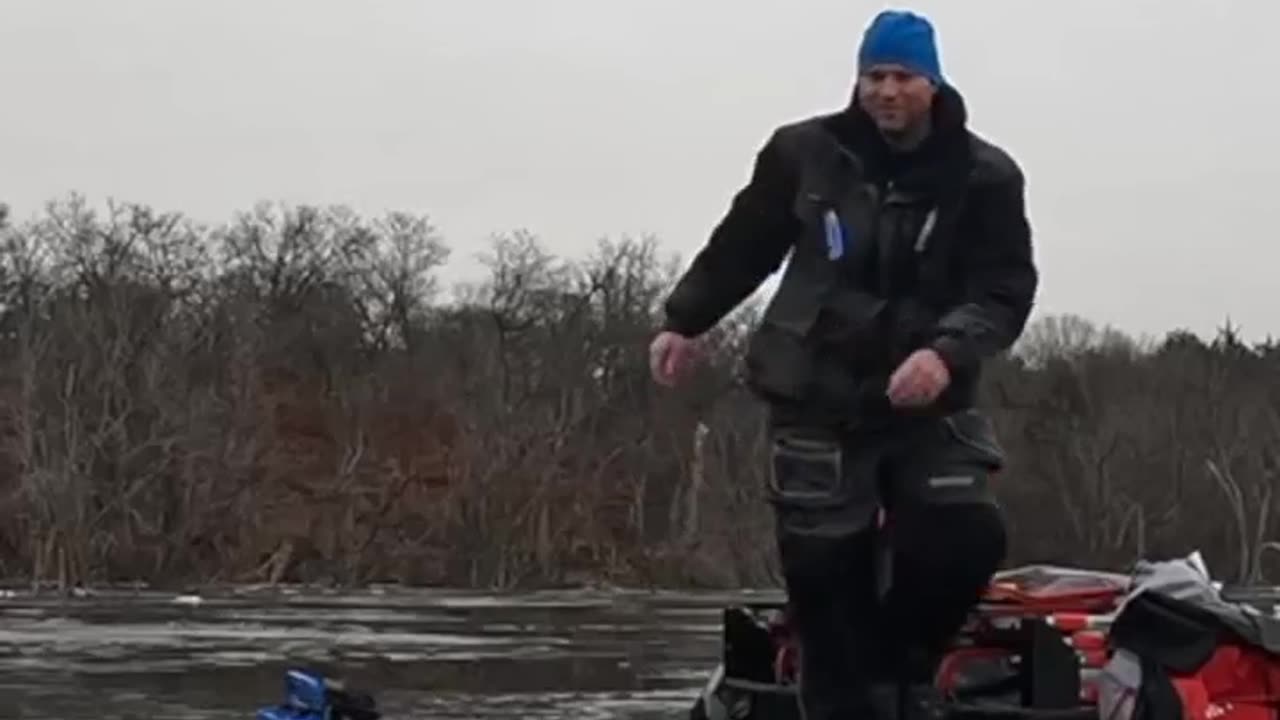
point(957, 357)
point(670, 324)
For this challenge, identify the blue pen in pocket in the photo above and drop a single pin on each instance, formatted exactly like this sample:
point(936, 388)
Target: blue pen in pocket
point(835, 235)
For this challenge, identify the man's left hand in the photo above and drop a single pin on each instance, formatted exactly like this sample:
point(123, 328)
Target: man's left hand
point(919, 380)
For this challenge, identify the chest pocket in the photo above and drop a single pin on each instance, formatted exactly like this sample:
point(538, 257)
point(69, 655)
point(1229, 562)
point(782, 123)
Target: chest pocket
point(906, 229)
point(837, 210)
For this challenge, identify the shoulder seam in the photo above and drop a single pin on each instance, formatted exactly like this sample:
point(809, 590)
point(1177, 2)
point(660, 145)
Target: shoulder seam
point(991, 162)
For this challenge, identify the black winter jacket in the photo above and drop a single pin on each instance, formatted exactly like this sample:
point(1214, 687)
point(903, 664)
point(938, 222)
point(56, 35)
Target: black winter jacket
point(890, 252)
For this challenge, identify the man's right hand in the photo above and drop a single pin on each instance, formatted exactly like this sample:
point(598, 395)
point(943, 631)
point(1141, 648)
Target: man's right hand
point(670, 357)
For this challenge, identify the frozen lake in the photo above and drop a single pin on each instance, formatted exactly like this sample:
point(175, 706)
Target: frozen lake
point(423, 654)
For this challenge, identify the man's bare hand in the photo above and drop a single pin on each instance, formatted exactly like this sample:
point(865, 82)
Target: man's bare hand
point(670, 357)
point(919, 380)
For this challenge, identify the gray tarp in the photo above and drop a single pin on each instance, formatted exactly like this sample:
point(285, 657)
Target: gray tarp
point(1185, 579)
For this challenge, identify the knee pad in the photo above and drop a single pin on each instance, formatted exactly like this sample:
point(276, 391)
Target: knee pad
point(829, 565)
point(943, 559)
point(960, 543)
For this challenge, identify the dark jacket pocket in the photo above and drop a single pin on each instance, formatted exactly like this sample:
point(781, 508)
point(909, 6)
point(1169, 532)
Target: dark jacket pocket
point(976, 437)
point(779, 363)
point(806, 472)
point(814, 490)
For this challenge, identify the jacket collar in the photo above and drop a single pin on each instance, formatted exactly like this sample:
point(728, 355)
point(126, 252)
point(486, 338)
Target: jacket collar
point(944, 157)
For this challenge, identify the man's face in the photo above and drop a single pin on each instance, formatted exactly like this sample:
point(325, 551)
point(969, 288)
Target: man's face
point(895, 98)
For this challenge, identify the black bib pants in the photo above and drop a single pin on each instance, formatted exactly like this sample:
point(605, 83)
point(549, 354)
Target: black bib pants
point(875, 605)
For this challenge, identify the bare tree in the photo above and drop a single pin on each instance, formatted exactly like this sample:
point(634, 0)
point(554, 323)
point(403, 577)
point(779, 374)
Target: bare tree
point(290, 396)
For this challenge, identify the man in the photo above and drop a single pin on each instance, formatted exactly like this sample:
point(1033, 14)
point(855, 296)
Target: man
point(911, 263)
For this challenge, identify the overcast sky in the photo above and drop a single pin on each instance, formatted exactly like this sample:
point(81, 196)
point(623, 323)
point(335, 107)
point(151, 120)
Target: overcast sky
point(1146, 129)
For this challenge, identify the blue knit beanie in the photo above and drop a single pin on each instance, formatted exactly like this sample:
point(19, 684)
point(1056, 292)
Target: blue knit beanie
point(901, 37)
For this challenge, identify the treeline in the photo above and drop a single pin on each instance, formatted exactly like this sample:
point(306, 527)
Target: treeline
point(292, 397)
